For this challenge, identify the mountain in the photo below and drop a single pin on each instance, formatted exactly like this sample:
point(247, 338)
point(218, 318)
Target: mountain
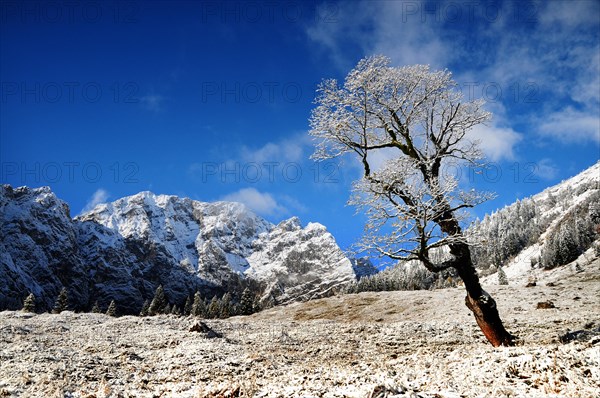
point(123, 250)
point(554, 228)
point(362, 267)
point(39, 248)
point(548, 230)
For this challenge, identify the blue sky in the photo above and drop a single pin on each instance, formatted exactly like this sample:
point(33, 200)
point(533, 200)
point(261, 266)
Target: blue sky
point(211, 99)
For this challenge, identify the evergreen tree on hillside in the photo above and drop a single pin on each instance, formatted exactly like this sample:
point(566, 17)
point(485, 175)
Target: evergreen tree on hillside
point(159, 302)
point(198, 307)
point(573, 236)
point(145, 308)
point(187, 308)
point(112, 309)
point(568, 249)
point(29, 304)
point(96, 308)
point(258, 306)
point(62, 302)
point(247, 302)
point(214, 308)
point(502, 279)
point(225, 309)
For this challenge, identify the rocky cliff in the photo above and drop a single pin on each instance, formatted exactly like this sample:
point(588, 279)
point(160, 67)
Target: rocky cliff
point(123, 250)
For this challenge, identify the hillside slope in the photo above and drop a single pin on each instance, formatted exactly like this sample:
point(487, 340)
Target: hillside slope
point(549, 230)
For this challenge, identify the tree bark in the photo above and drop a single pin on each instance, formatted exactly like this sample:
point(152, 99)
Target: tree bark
point(481, 304)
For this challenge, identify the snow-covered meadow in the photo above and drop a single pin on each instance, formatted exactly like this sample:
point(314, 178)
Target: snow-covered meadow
point(388, 344)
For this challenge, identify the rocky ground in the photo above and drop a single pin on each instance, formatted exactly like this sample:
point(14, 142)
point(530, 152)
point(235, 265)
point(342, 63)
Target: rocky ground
point(392, 344)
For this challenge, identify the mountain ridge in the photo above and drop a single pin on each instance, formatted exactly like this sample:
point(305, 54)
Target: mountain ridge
point(123, 249)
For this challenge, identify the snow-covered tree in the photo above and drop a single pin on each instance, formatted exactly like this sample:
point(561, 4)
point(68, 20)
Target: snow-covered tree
point(573, 235)
point(247, 302)
point(418, 120)
point(29, 304)
point(502, 278)
point(112, 309)
point(62, 301)
point(96, 308)
point(502, 236)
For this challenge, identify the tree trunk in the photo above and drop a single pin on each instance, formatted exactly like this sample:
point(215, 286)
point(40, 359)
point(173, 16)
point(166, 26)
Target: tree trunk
point(488, 319)
point(479, 301)
point(481, 304)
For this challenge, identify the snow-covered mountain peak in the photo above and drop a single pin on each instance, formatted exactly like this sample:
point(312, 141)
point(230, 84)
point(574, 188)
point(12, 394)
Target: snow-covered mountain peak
point(123, 249)
point(316, 227)
point(291, 224)
point(14, 202)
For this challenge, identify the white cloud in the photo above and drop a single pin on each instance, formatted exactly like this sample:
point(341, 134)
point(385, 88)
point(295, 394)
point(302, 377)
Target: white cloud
point(570, 14)
point(570, 126)
point(389, 27)
point(546, 169)
point(294, 204)
point(283, 151)
point(100, 196)
point(262, 203)
point(497, 143)
point(152, 102)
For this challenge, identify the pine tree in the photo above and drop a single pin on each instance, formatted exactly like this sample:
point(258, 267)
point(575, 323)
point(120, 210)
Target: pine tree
point(214, 308)
point(159, 302)
point(246, 302)
point(145, 308)
point(167, 309)
point(567, 243)
point(502, 279)
point(96, 308)
point(187, 308)
point(198, 307)
point(29, 304)
point(225, 308)
point(257, 306)
point(112, 309)
point(175, 310)
point(62, 302)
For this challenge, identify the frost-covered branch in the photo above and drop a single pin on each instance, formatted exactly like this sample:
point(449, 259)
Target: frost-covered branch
point(411, 207)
